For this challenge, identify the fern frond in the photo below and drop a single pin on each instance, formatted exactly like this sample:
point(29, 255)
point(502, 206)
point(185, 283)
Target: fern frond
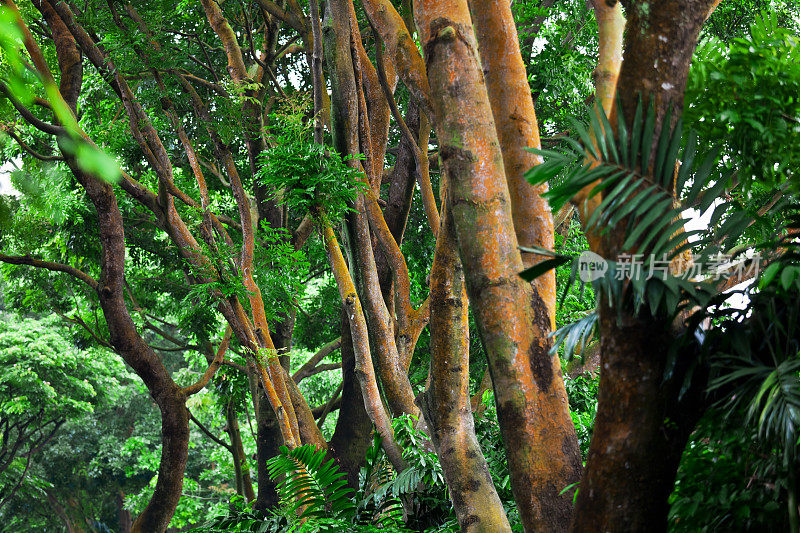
point(309, 485)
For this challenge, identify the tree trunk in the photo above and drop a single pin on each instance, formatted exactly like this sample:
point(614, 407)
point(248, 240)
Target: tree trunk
point(123, 334)
point(446, 403)
point(640, 430)
point(268, 440)
point(353, 433)
point(517, 129)
point(244, 485)
point(641, 426)
point(513, 321)
point(360, 340)
point(123, 515)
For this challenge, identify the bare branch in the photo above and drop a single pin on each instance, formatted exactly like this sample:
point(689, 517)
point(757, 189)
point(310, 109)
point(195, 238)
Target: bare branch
point(334, 403)
point(209, 434)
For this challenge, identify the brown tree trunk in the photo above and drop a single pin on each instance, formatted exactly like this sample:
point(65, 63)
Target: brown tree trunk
point(360, 339)
point(268, 440)
point(641, 426)
point(244, 485)
point(538, 433)
point(123, 515)
point(123, 334)
point(134, 350)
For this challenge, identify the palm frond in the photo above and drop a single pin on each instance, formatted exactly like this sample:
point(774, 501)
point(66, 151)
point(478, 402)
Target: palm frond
point(575, 337)
point(640, 175)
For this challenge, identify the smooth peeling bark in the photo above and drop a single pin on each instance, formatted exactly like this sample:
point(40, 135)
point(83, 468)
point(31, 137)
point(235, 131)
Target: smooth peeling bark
point(642, 424)
point(517, 129)
point(446, 403)
point(541, 444)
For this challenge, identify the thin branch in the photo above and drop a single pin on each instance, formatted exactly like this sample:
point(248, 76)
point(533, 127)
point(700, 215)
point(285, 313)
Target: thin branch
point(26, 113)
point(49, 265)
point(201, 81)
point(212, 368)
point(209, 434)
point(79, 321)
point(236, 366)
point(420, 158)
point(321, 354)
point(7, 497)
point(321, 368)
point(28, 149)
point(334, 403)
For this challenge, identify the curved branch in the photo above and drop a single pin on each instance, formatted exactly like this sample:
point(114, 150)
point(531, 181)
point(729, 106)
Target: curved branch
point(28, 149)
point(209, 434)
point(322, 353)
point(49, 265)
point(321, 412)
point(41, 125)
point(212, 368)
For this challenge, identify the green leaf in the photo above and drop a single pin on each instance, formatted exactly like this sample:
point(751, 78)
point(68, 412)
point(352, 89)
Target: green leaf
point(538, 269)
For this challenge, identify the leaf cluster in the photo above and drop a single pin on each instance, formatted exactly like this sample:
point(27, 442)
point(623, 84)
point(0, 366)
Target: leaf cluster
point(307, 176)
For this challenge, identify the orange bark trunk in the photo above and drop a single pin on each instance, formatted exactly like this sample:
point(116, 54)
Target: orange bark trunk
point(517, 129)
point(446, 403)
point(540, 439)
point(360, 336)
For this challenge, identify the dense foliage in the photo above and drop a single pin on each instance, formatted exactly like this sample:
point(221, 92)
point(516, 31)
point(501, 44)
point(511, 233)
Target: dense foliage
point(82, 436)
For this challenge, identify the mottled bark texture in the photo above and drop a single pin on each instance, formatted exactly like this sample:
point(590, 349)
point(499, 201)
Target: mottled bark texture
point(351, 135)
point(360, 336)
point(446, 402)
point(641, 426)
point(517, 129)
point(513, 321)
